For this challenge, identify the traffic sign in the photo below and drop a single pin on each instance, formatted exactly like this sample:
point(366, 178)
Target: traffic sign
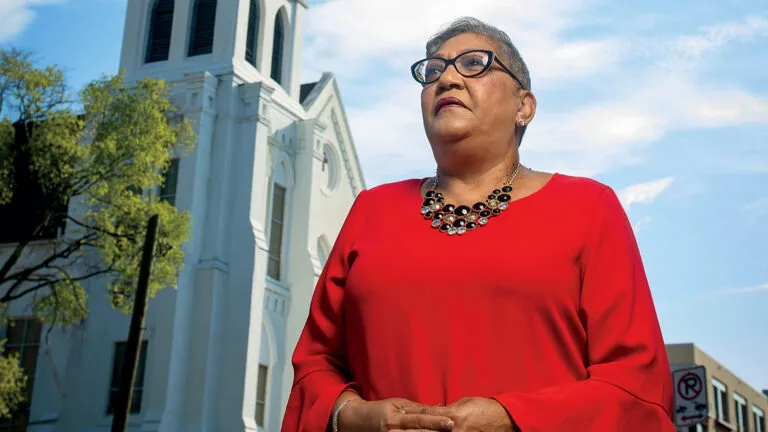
point(691, 405)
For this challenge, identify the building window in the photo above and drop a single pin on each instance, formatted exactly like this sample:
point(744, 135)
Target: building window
point(22, 339)
point(252, 38)
point(35, 212)
point(720, 392)
point(758, 417)
point(740, 405)
point(276, 231)
point(170, 179)
point(261, 395)
point(117, 370)
point(277, 48)
point(203, 24)
point(160, 29)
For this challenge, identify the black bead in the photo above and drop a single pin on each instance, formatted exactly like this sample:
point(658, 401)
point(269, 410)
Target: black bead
point(445, 227)
point(479, 206)
point(485, 213)
point(507, 189)
point(438, 216)
point(461, 211)
point(471, 225)
point(430, 194)
point(504, 198)
point(439, 195)
point(440, 199)
point(458, 223)
point(496, 211)
point(496, 191)
point(428, 215)
point(428, 202)
point(491, 196)
point(449, 208)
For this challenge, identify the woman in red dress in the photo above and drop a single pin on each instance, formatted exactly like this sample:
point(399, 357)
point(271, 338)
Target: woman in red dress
point(490, 297)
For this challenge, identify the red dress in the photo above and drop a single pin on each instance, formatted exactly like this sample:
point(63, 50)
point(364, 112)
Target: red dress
point(546, 309)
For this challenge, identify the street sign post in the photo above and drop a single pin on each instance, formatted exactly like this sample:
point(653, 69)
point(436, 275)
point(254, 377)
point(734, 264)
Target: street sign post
point(691, 405)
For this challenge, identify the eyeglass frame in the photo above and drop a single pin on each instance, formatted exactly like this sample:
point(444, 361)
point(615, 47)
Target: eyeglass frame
point(452, 62)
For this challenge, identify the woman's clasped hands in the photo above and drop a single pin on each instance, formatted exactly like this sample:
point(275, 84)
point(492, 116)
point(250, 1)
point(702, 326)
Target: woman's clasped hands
point(402, 415)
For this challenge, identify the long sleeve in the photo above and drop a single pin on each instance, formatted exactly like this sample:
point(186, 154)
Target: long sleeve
point(320, 361)
point(628, 385)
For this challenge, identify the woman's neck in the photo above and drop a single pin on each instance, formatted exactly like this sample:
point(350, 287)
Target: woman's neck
point(468, 184)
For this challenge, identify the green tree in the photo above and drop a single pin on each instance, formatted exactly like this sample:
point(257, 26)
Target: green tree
point(86, 170)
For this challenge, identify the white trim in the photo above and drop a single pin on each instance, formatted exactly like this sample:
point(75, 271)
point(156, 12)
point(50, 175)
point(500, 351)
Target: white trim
point(758, 413)
point(741, 419)
point(722, 408)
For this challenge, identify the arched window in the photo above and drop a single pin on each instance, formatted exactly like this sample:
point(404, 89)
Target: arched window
point(252, 38)
point(277, 48)
point(160, 27)
point(203, 23)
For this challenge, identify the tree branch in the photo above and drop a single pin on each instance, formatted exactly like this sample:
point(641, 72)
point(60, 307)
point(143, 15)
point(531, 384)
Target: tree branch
point(95, 228)
point(24, 274)
point(8, 297)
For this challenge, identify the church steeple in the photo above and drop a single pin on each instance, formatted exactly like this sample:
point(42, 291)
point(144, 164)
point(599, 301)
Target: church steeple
point(254, 39)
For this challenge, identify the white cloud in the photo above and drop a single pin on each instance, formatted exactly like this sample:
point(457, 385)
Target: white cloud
point(641, 224)
point(621, 107)
point(382, 35)
point(644, 193)
point(716, 36)
point(16, 15)
point(762, 288)
point(757, 206)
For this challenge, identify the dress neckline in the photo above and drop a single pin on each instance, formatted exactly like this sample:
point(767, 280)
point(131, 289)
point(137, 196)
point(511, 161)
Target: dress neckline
point(516, 202)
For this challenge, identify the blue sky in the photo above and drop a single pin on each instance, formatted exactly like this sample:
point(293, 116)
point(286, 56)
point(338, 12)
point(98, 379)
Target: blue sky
point(667, 102)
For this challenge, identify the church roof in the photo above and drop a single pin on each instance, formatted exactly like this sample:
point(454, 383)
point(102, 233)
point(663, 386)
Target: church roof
point(310, 91)
point(306, 89)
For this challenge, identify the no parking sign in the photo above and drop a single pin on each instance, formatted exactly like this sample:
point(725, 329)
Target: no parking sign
point(691, 405)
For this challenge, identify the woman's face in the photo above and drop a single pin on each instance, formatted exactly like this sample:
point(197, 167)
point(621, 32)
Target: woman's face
point(490, 101)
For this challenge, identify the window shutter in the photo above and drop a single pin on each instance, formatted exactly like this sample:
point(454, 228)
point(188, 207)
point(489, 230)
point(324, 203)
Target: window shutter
point(202, 27)
point(253, 33)
point(277, 50)
point(160, 29)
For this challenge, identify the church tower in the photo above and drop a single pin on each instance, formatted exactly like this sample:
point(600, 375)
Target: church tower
point(256, 40)
point(235, 66)
point(267, 186)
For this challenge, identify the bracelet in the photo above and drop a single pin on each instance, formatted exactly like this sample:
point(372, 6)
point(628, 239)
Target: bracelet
point(336, 413)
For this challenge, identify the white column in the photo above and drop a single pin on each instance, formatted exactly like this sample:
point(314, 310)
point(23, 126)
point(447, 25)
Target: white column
point(200, 109)
point(232, 372)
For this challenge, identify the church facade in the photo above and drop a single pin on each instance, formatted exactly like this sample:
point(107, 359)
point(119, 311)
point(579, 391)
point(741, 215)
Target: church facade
point(268, 186)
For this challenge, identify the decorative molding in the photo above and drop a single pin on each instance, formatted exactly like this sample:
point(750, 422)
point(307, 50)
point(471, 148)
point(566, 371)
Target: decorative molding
point(353, 149)
point(257, 99)
point(345, 156)
point(212, 263)
point(200, 94)
point(320, 126)
point(259, 235)
point(276, 302)
point(317, 267)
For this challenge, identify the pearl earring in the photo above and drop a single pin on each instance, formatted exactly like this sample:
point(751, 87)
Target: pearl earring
point(522, 122)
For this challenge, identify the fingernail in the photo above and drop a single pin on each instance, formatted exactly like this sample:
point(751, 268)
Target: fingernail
point(448, 424)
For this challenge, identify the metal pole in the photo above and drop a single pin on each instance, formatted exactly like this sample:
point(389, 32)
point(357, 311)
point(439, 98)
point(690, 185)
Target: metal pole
point(131, 361)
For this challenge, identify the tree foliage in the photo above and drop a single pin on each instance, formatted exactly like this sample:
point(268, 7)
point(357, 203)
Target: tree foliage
point(88, 167)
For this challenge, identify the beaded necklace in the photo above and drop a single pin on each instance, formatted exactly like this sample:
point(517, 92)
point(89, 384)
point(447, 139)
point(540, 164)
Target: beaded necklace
point(458, 220)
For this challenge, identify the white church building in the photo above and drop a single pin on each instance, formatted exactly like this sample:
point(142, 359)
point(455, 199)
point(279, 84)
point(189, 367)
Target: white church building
point(268, 185)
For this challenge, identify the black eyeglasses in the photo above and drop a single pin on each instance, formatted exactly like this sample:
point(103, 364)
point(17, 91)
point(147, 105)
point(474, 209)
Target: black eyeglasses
point(469, 64)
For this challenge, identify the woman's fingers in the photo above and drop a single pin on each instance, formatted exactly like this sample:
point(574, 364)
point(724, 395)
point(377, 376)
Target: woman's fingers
point(417, 421)
point(441, 411)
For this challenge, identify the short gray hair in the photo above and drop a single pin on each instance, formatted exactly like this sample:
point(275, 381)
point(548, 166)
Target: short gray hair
point(509, 53)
